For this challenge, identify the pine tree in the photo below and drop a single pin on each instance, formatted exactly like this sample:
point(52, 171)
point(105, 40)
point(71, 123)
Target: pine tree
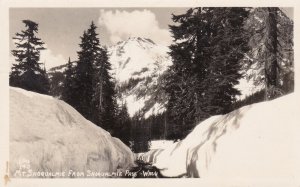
point(94, 95)
point(271, 66)
point(209, 44)
point(83, 77)
point(272, 54)
point(27, 73)
point(68, 84)
point(104, 94)
point(228, 45)
point(122, 128)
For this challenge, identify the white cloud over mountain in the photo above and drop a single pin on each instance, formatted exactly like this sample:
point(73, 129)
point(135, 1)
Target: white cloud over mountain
point(143, 23)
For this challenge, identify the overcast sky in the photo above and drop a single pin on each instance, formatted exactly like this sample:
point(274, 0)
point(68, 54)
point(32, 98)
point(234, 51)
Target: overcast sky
point(61, 28)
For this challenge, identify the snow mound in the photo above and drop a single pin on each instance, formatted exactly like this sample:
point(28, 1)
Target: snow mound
point(48, 135)
point(255, 141)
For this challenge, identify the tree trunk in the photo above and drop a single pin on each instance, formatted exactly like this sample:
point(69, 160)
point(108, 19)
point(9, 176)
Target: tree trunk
point(271, 66)
point(165, 126)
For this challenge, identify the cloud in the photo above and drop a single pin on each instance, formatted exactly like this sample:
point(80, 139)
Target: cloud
point(124, 24)
point(51, 60)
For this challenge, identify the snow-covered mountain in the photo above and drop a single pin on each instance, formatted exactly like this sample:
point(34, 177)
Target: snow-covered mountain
point(138, 58)
point(137, 64)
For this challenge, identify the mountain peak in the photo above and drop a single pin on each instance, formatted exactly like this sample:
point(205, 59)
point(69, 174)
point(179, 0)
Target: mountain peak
point(137, 64)
point(134, 44)
point(141, 39)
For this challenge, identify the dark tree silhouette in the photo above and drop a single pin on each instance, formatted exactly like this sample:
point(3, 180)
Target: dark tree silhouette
point(27, 72)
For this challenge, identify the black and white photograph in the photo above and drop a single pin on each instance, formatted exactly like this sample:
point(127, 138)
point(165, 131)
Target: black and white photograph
point(151, 92)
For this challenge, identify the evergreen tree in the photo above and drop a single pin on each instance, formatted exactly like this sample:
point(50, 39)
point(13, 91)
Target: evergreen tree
point(272, 54)
point(122, 128)
point(209, 44)
point(271, 66)
point(84, 75)
point(228, 45)
point(140, 134)
point(68, 84)
point(104, 99)
point(94, 95)
point(56, 83)
point(27, 73)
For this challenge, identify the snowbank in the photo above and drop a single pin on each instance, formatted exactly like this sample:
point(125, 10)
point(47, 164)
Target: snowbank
point(255, 141)
point(48, 135)
point(160, 144)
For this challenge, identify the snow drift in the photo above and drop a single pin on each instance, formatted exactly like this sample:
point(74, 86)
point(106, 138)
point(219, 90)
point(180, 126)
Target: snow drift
point(48, 135)
point(255, 141)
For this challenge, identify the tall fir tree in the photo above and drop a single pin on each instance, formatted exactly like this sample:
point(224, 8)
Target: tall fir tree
point(272, 56)
point(83, 77)
point(122, 128)
point(209, 44)
point(27, 73)
point(68, 84)
point(93, 87)
point(271, 65)
point(229, 43)
point(104, 99)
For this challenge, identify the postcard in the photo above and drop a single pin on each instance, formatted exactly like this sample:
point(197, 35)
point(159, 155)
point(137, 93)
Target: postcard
point(140, 93)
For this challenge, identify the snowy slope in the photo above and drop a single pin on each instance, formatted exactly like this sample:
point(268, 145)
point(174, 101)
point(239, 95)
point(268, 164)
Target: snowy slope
point(48, 135)
point(130, 57)
point(137, 64)
point(255, 141)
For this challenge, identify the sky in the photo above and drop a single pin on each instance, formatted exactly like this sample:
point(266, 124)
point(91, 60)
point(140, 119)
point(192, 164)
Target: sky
point(61, 28)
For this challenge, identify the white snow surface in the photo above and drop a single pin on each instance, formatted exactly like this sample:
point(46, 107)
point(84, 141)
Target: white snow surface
point(247, 87)
point(139, 58)
point(48, 135)
point(258, 141)
point(128, 58)
point(160, 144)
point(249, 83)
